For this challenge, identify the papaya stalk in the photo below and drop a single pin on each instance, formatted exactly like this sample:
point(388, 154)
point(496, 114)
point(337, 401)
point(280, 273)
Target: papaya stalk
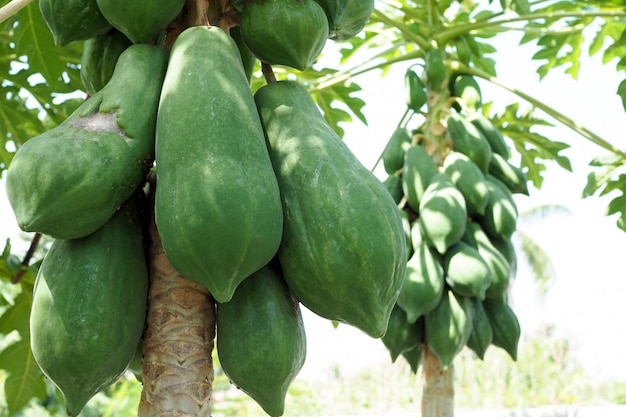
point(438, 389)
point(178, 341)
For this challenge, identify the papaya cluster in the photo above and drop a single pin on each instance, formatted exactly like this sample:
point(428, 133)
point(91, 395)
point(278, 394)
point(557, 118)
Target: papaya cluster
point(455, 193)
point(255, 197)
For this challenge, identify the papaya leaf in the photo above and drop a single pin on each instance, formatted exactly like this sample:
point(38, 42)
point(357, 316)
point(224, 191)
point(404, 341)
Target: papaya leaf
point(533, 147)
point(608, 166)
point(33, 40)
point(621, 92)
point(17, 316)
point(24, 381)
point(342, 94)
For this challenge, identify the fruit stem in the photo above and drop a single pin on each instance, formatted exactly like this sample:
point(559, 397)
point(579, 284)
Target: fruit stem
point(438, 390)
point(26, 261)
point(268, 73)
point(178, 341)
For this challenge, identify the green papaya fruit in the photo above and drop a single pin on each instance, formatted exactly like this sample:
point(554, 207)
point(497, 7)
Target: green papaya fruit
point(443, 214)
point(415, 91)
point(492, 134)
point(394, 151)
point(89, 307)
point(436, 73)
point(400, 335)
point(226, 223)
point(469, 179)
point(68, 181)
point(140, 21)
point(284, 32)
point(467, 89)
point(393, 184)
point(506, 248)
point(261, 341)
point(100, 55)
point(498, 265)
point(417, 173)
point(504, 326)
point(481, 335)
point(406, 226)
point(343, 252)
point(247, 57)
point(424, 280)
point(463, 50)
point(500, 218)
point(448, 327)
point(468, 140)
point(346, 18)
point(512, 176)
point(73, 20)
point(414, 356)
point(465, 270)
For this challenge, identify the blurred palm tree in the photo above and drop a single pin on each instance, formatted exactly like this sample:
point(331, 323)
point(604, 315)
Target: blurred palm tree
point(533, 254)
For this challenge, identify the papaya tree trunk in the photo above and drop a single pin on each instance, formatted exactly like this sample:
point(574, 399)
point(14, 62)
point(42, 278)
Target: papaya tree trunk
point(438, 390)
point(178, 342)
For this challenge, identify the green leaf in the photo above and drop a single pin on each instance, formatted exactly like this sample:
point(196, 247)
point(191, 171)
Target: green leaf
point(534, 148)
point(340, 94)
point(621, 92)
point(17, 316)
point(25, 380)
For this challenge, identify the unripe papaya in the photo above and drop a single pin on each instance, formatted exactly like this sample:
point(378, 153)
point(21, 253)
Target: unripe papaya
point(481, 335)
point(415, 90)
point(468, 140)
point(343, 252)
point(504, 326)
point(68, 181)
point(396, 148)
point(346, 18)
point(466, 271)
point(423, 281)
point(284, 32)
point(467, 89)
point(247, 57)
point(100, 55)
point(448, 327)
point(443, 214)
point(497, 263)
point(493, 135)
point(393, 184)
point(463, 50)
point(406, 226)
point(89, 307)
point(500, 218)
point(226, 223)
point(435, 68)
point(261, 341)
point(417, 173)
point(469, 179)
point(73, 20)
point(400, 335)
point(140, 21)
point(414, 356)
point(512, 176)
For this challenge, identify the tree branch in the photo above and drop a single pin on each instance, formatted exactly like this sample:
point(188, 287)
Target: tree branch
point(11, 8)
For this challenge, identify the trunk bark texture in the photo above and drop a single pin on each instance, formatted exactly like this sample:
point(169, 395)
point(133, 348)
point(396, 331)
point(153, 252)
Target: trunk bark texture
point(178, 342)
point(438, 391)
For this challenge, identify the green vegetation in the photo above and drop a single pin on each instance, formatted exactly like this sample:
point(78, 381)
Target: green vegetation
point(546, 373)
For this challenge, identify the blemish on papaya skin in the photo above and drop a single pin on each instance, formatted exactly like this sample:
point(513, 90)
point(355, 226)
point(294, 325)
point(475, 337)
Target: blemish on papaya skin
point(100, 123)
